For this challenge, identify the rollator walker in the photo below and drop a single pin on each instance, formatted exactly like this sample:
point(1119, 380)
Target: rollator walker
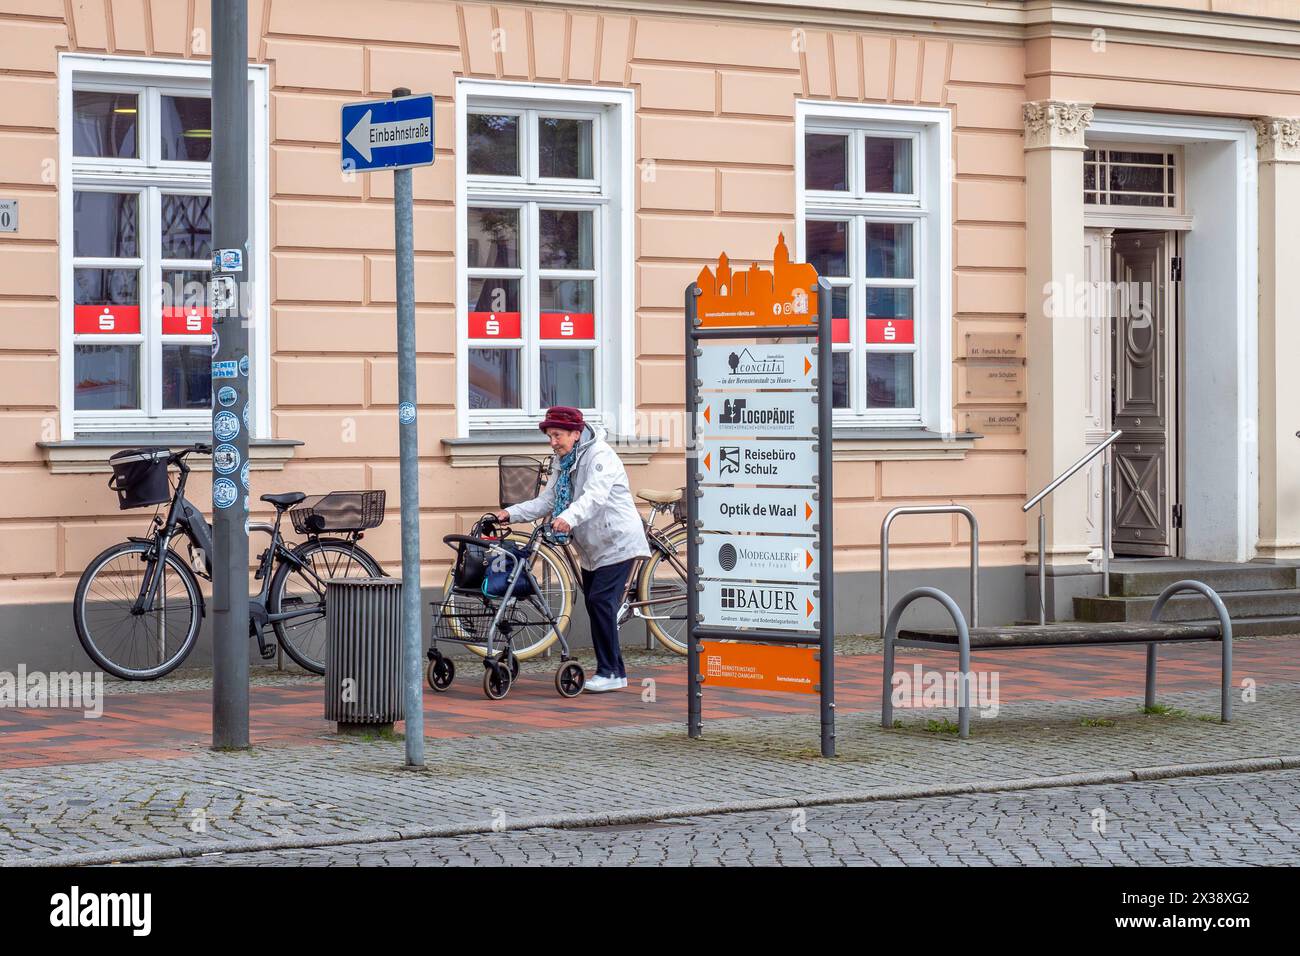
point(492, 596)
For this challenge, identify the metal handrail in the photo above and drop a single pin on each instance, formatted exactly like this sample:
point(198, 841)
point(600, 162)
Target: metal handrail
point(974, 554)
point(1089, 456)
point(1105, 520)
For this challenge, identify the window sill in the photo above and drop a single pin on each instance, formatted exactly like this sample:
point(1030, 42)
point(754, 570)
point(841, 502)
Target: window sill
point(907, 444)
point(89, 454)
point(482, 449)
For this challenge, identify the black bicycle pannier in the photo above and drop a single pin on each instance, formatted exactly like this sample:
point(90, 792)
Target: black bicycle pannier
point(140, 477)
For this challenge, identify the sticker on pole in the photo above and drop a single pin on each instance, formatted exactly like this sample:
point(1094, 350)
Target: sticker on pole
point(758, 414)
point(791, 607)
point(756, 366)
point(758, 557)
point(227, 260)
point(387, 134)
point(757, 511)
point(225, 426)
point(224, 493)
point(794, 670)
point(406, 413)
point(225, 370)
point(729, 461)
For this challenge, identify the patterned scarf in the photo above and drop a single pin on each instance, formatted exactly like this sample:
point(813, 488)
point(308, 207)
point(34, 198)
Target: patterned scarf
point(564, 489)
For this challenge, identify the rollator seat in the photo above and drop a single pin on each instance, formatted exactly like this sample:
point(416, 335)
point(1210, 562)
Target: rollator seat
point(660, 497)
point(286, 499)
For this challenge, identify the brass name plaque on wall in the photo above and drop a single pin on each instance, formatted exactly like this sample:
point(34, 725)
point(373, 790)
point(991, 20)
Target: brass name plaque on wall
point(985, 422)
point(995, 345)
point(995, 381)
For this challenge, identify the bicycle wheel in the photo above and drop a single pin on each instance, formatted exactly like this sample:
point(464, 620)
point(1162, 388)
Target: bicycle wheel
point(301, 588)
point(664, 584)
point(126, 644)
point(530, 631)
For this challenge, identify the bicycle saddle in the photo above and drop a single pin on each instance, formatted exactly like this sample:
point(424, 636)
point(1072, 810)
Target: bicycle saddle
point(660, 497)
point(284, 500)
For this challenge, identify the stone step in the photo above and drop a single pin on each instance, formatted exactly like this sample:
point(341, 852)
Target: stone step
point(1222, 577)
point(1190, 607)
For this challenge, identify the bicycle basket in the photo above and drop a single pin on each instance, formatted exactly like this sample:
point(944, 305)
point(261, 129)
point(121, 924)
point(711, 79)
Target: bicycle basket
point(520, 477)
point(140, 477)
point(339, 511)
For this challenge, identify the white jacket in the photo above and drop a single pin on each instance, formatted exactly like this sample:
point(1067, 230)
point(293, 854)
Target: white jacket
point(607, 528)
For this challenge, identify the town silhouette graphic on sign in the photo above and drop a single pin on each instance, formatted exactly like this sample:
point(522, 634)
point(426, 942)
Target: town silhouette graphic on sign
point(755, 296)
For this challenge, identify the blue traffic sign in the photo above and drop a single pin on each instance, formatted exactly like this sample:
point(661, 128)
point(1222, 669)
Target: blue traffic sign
point(388, 134)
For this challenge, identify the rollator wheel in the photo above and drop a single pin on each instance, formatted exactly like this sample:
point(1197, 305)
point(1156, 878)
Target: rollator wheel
point(440, 672)
point(570, 679)
point(496, 681)
point(514, 664)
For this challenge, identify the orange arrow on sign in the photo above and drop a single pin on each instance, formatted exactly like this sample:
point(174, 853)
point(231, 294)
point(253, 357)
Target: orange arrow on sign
point(810, 607)
point(706, 413)
point(807, 365)
point(808, 559)
point(706, 461)
point(807, 511)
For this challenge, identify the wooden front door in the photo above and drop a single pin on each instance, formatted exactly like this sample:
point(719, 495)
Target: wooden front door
point(1142, 377)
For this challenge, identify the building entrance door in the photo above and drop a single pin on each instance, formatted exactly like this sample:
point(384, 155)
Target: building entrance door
point(1144, 271)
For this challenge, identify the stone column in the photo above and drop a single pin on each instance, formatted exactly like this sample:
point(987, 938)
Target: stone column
point(1279, 337)
point(1055, 324)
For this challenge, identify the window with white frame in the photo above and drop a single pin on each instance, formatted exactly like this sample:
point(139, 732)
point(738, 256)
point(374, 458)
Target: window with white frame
point(542, 251)
point(1134, 177)
point(137, 212)
point(874, 184)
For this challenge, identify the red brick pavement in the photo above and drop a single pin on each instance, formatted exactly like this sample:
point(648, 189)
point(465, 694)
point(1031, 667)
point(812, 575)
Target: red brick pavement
point(170, 725)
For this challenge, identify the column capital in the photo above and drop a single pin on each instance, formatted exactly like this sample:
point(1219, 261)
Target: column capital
point(1279, 139)
point(1055, 124)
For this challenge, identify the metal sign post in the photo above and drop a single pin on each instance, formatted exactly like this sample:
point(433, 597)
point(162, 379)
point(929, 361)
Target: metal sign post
point(760, 558)
point(230, 374)
point(397, 134)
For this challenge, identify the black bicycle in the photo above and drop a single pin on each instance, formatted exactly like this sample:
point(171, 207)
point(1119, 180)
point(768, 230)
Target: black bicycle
point(138, 606)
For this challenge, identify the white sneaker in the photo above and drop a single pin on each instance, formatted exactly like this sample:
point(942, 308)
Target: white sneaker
point(622, 681)
point(598, 684)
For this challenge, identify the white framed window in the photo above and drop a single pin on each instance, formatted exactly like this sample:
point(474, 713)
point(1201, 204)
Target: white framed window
point(873, 188)
point(135, 186)
point(1133, 177)
point(544, 305)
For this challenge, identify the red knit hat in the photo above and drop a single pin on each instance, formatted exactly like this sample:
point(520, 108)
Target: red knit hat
point(562, 416)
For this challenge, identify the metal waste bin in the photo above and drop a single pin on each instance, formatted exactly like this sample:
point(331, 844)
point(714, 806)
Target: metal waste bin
point(363, 664)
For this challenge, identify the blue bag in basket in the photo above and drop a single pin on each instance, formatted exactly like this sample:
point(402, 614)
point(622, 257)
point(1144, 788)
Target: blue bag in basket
point(499, 569)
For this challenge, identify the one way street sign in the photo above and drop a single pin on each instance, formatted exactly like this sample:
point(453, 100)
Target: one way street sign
point(388, 134)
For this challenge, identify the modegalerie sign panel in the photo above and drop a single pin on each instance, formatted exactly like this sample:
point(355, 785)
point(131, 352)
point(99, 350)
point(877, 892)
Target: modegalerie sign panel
point(757, 462)
point(765, 557)
point(757, 510)
point(790, 607)
point(729, 366)
point(761, 414)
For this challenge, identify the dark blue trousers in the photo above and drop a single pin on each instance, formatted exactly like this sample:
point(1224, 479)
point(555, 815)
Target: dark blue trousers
point(603, 591)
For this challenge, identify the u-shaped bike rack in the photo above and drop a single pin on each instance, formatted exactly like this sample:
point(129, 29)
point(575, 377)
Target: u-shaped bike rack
point(963, 656)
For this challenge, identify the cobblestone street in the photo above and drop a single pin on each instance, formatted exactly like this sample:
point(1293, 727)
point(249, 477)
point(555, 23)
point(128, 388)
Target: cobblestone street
point(1233, 820)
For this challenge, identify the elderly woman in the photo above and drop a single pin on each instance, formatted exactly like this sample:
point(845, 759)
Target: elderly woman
point(588, 497)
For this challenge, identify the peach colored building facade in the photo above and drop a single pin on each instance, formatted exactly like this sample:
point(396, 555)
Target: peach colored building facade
point(931, 156)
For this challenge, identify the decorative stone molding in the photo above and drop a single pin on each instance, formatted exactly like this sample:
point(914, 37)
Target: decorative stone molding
point(1055, 124)
point(1279, 139)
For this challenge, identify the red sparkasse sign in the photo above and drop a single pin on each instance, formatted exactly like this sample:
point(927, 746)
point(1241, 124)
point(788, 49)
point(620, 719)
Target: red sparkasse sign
point(494, 325)
point(568, 325)
point(106, 319)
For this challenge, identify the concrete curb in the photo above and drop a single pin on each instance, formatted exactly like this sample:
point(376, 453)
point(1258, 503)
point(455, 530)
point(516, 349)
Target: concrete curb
point(581, 821)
